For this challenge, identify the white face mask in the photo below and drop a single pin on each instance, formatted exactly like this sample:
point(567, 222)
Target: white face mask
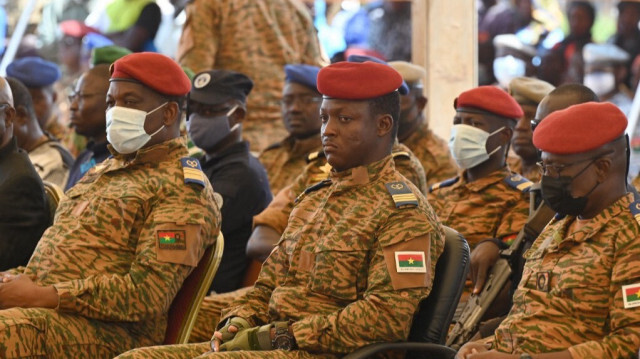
point(600, 82)
point(468, 145)
point(506, 68)
point(125, 128)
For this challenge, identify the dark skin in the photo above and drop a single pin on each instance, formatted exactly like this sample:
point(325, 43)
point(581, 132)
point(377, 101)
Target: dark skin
point(136, 95)
point(605, 167)
point(522, 142)
point(234, 118)
point(411, 113)
point(348, 128)
point(300, 106)
point(87, 106)
point(44, 99)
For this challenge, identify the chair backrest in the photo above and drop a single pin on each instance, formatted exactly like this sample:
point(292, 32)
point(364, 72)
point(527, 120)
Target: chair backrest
point(434, 317)
point(54, 194)
point(185, 306)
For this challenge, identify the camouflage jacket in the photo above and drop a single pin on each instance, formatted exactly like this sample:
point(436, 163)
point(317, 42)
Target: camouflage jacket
point(126, 236)
point(515, 165)
point(256, 38)
point(284, 160)
point(496, 206)
point(277, 213)
point(572, 294)
point(433, 153)
point(338, 271)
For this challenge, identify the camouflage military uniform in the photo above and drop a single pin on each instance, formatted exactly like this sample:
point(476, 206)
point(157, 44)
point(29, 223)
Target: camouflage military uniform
point(496, 206)
point(572, 291)
point(433, 153)
point(256, 38)
point(284, 160)
point(334, 273)
point(276, 216)
point(515, 165)
point(123, 241)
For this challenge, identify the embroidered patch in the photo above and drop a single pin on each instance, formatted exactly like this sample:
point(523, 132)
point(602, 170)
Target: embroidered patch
point(542, 281)
point(202, 80)
point(174, 240)
point(631, 295)
point(410, 262)
point(401, 194)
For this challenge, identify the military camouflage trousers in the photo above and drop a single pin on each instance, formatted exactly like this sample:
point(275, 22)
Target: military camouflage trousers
point(46, 333)
point(203, 350)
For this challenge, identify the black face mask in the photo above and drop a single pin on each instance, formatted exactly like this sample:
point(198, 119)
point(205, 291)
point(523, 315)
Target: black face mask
point(556, 192)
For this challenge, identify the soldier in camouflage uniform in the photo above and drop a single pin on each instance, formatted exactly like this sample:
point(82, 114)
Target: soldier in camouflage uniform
point(338, 279)
point(256, 38)
point(300, 105)
point(528, 92)
point(579, 294)
point(414, 130)
point(487, 203)
point(102, 278)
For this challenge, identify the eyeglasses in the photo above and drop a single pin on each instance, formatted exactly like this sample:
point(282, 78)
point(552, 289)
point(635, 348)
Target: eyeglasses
point(534, 124)
point(555, 169)
point(304, 99)
point(79, 95)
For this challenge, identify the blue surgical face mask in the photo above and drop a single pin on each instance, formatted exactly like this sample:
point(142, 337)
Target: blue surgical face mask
point(207, 132)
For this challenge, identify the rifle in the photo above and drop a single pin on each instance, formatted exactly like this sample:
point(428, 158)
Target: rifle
point(477, 305)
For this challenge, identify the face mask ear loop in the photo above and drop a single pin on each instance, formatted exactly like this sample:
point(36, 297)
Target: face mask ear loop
point(499, 147)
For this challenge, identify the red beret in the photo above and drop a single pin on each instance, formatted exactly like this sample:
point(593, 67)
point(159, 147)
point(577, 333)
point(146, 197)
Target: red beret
point(489, 99)
point(75, 28)
point(580, 128)
point(156, 71)
point(358, 81)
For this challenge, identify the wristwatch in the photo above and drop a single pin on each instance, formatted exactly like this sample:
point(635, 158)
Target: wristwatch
point(283, 340)
point(525, 356)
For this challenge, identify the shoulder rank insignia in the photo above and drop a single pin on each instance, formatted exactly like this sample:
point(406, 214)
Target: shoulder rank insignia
point(518, 182)
point(400, 154)
point(445, 183)
point(315, 187)
point(401, 194)
point(192, 171)
point(634, 207)
point(314, 156)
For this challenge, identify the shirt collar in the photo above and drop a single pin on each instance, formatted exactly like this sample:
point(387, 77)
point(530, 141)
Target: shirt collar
point(362, 175)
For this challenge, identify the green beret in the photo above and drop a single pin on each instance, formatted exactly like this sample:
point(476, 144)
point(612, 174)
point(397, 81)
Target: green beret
point(107, 54)
point(529, 90)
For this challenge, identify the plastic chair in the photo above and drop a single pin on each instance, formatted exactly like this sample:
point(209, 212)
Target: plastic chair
point(431, 323)
point(186, 305)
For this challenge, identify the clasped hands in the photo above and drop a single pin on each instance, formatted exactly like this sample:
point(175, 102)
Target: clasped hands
point(20, 291)
point(237, 334)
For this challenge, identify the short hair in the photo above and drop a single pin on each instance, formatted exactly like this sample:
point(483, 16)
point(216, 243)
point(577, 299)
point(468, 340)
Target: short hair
point(387, 104)
point(580, 92)
point(587, 6)
point(21, 95)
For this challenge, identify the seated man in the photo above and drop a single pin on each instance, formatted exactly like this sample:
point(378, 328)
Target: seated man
point(487, 204)
point(217, 108)
point(103, 276)
point(50, 159)
point(528, 92)
point(285, 160)
point(87, 111)
point(605, 70)
point(336, 280)
point(24, 213)
point(414, 130)
point(578, 297)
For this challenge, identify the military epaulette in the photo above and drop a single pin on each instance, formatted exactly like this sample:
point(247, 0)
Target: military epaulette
point(401, 194)
point(445, 183)
point(273, 146)
point(518, 182)
point(314, 156)
point(400, 154)
point(634, 207)
point(315, 187)
point(192, 171)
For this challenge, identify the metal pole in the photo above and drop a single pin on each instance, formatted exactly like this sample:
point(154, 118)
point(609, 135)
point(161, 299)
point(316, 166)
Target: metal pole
point(18, 32)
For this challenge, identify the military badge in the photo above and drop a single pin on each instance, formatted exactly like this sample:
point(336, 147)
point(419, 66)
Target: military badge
point(410, 262)
point(631, 295)
point(174, 240)
point(201, 80)
point(401, 194)
point(192, 171)
point(542, 281)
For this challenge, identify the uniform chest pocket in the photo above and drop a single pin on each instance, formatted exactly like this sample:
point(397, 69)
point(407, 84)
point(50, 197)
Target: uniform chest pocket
point(340, 269)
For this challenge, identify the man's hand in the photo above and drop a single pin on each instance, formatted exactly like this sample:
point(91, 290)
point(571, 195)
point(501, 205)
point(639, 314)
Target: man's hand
point(21, 291)
point(229, 331)
point(256, 338)
point(483, 257)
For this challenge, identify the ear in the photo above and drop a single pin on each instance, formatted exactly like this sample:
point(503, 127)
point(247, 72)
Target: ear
point(9, 117)
point(21, 115)
point(421, 103)
point(506, 134)
point(238, 115)
point(170, 113)
point(603, 166)
point(384, 124)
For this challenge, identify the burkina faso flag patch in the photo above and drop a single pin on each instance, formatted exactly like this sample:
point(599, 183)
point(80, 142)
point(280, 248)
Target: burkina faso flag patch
point(172, 239)
point(631, 295)
point(410, 262)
